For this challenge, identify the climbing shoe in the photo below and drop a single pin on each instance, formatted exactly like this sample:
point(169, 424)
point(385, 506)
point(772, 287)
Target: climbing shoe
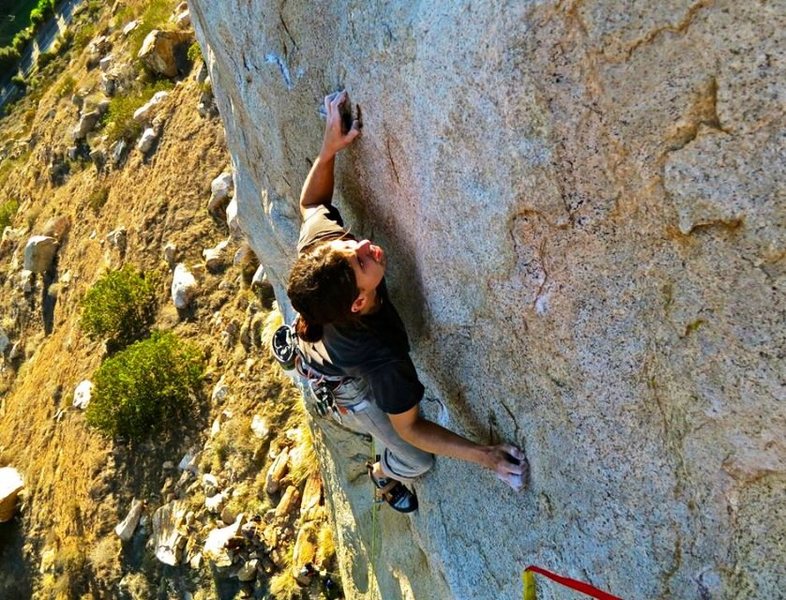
point(283, 346)
point(393, 492)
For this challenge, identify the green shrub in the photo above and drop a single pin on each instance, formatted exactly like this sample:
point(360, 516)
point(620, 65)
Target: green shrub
point(195, 52)
point(119, 117)
point(21, 39)
point(45, 58)
point(83, 35)
point(20, 81)
point(7, 212)
point(65, 86)
point(8, 58)
point(145, 387)
point(97, 199)
point(120, 307)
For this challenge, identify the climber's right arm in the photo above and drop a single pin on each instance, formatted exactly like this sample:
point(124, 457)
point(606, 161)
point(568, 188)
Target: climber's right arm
point(318, 188)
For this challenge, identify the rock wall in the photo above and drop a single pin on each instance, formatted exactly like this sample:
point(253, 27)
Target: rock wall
point(583, 205)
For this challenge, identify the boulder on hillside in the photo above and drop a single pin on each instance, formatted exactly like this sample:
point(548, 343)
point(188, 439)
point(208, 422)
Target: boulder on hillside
point(216, 543)
point(118, 239)
point(146, 112)
point(277, 471)
point(220, 190)
point(82, 394)
point(169, 532)
point(165, 52)
point(86, 124)
point(4, 341)
point(39, 253)
point(10, 485)
point(184, 286)
point(125, 529)
point(215, 257)
point(147, 140)
point(232, 221)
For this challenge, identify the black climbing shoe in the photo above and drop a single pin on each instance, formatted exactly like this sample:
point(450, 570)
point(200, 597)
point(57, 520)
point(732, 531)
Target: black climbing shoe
point(393, 492)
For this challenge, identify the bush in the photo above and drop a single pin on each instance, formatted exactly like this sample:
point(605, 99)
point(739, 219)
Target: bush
point(120, 307)
point(145, 387)
point(19, 81)
point(7, 212)
point(45, 58)
point(97, 199)
point(8, 58)
point(119, 117)
point(65, 86)
point(194, 52)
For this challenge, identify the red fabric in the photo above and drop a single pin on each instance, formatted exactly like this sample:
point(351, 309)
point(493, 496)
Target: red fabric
point(579, 586)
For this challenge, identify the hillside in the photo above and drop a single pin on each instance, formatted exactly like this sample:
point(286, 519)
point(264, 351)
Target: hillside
point(109, 205)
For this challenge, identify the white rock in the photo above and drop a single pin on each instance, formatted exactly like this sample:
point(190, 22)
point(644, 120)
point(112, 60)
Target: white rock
point(209, 485)
point(125, 529)
point(130, 26)
point(184, 286)
point(183, 19)
point(215, 503)
point(147, 111)
point(215, 544)
point(86, 124)
point(189, 462)
point(82, 394)
point(232, 222)
point(259, 427)
point(118, 150)
point(214, 257)
point(10, 485)
point(146, 141)
point(220, 391)
point(17, 351)
point(215, 429)
point(220, 189)
point(259, 277)
point(118, 238)
point(196, 561)
point(168, 538)
point(105, 63)
point(39, 252)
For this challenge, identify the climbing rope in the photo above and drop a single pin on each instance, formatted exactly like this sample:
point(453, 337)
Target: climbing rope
point(374, 525)
point(530, 593)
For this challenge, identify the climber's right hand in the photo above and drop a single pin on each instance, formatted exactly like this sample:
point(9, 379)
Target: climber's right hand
point(335, 139)
point(509, 463)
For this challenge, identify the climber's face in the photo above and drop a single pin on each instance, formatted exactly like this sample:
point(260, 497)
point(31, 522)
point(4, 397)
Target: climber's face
point(368, 263)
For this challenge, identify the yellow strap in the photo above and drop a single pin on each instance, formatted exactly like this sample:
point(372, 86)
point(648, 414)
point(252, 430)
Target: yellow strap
point(528, 579)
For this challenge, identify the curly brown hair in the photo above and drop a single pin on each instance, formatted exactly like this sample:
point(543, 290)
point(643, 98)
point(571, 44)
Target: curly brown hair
point(322, 288)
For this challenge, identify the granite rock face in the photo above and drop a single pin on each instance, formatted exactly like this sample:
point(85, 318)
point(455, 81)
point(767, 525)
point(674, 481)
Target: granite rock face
point(583, 208)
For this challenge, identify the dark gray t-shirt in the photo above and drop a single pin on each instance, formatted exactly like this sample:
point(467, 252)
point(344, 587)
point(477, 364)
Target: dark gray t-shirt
point(376, 347)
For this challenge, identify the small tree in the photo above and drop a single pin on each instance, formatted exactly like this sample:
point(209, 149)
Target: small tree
point(145, 387)
point(120, 306)
point(7, 212)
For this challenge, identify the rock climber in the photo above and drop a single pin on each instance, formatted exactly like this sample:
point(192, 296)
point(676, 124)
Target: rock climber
point(351, 343)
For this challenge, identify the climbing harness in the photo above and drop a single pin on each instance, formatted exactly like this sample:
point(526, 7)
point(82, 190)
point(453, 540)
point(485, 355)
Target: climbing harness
point(323, 387)
point(530, 592)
